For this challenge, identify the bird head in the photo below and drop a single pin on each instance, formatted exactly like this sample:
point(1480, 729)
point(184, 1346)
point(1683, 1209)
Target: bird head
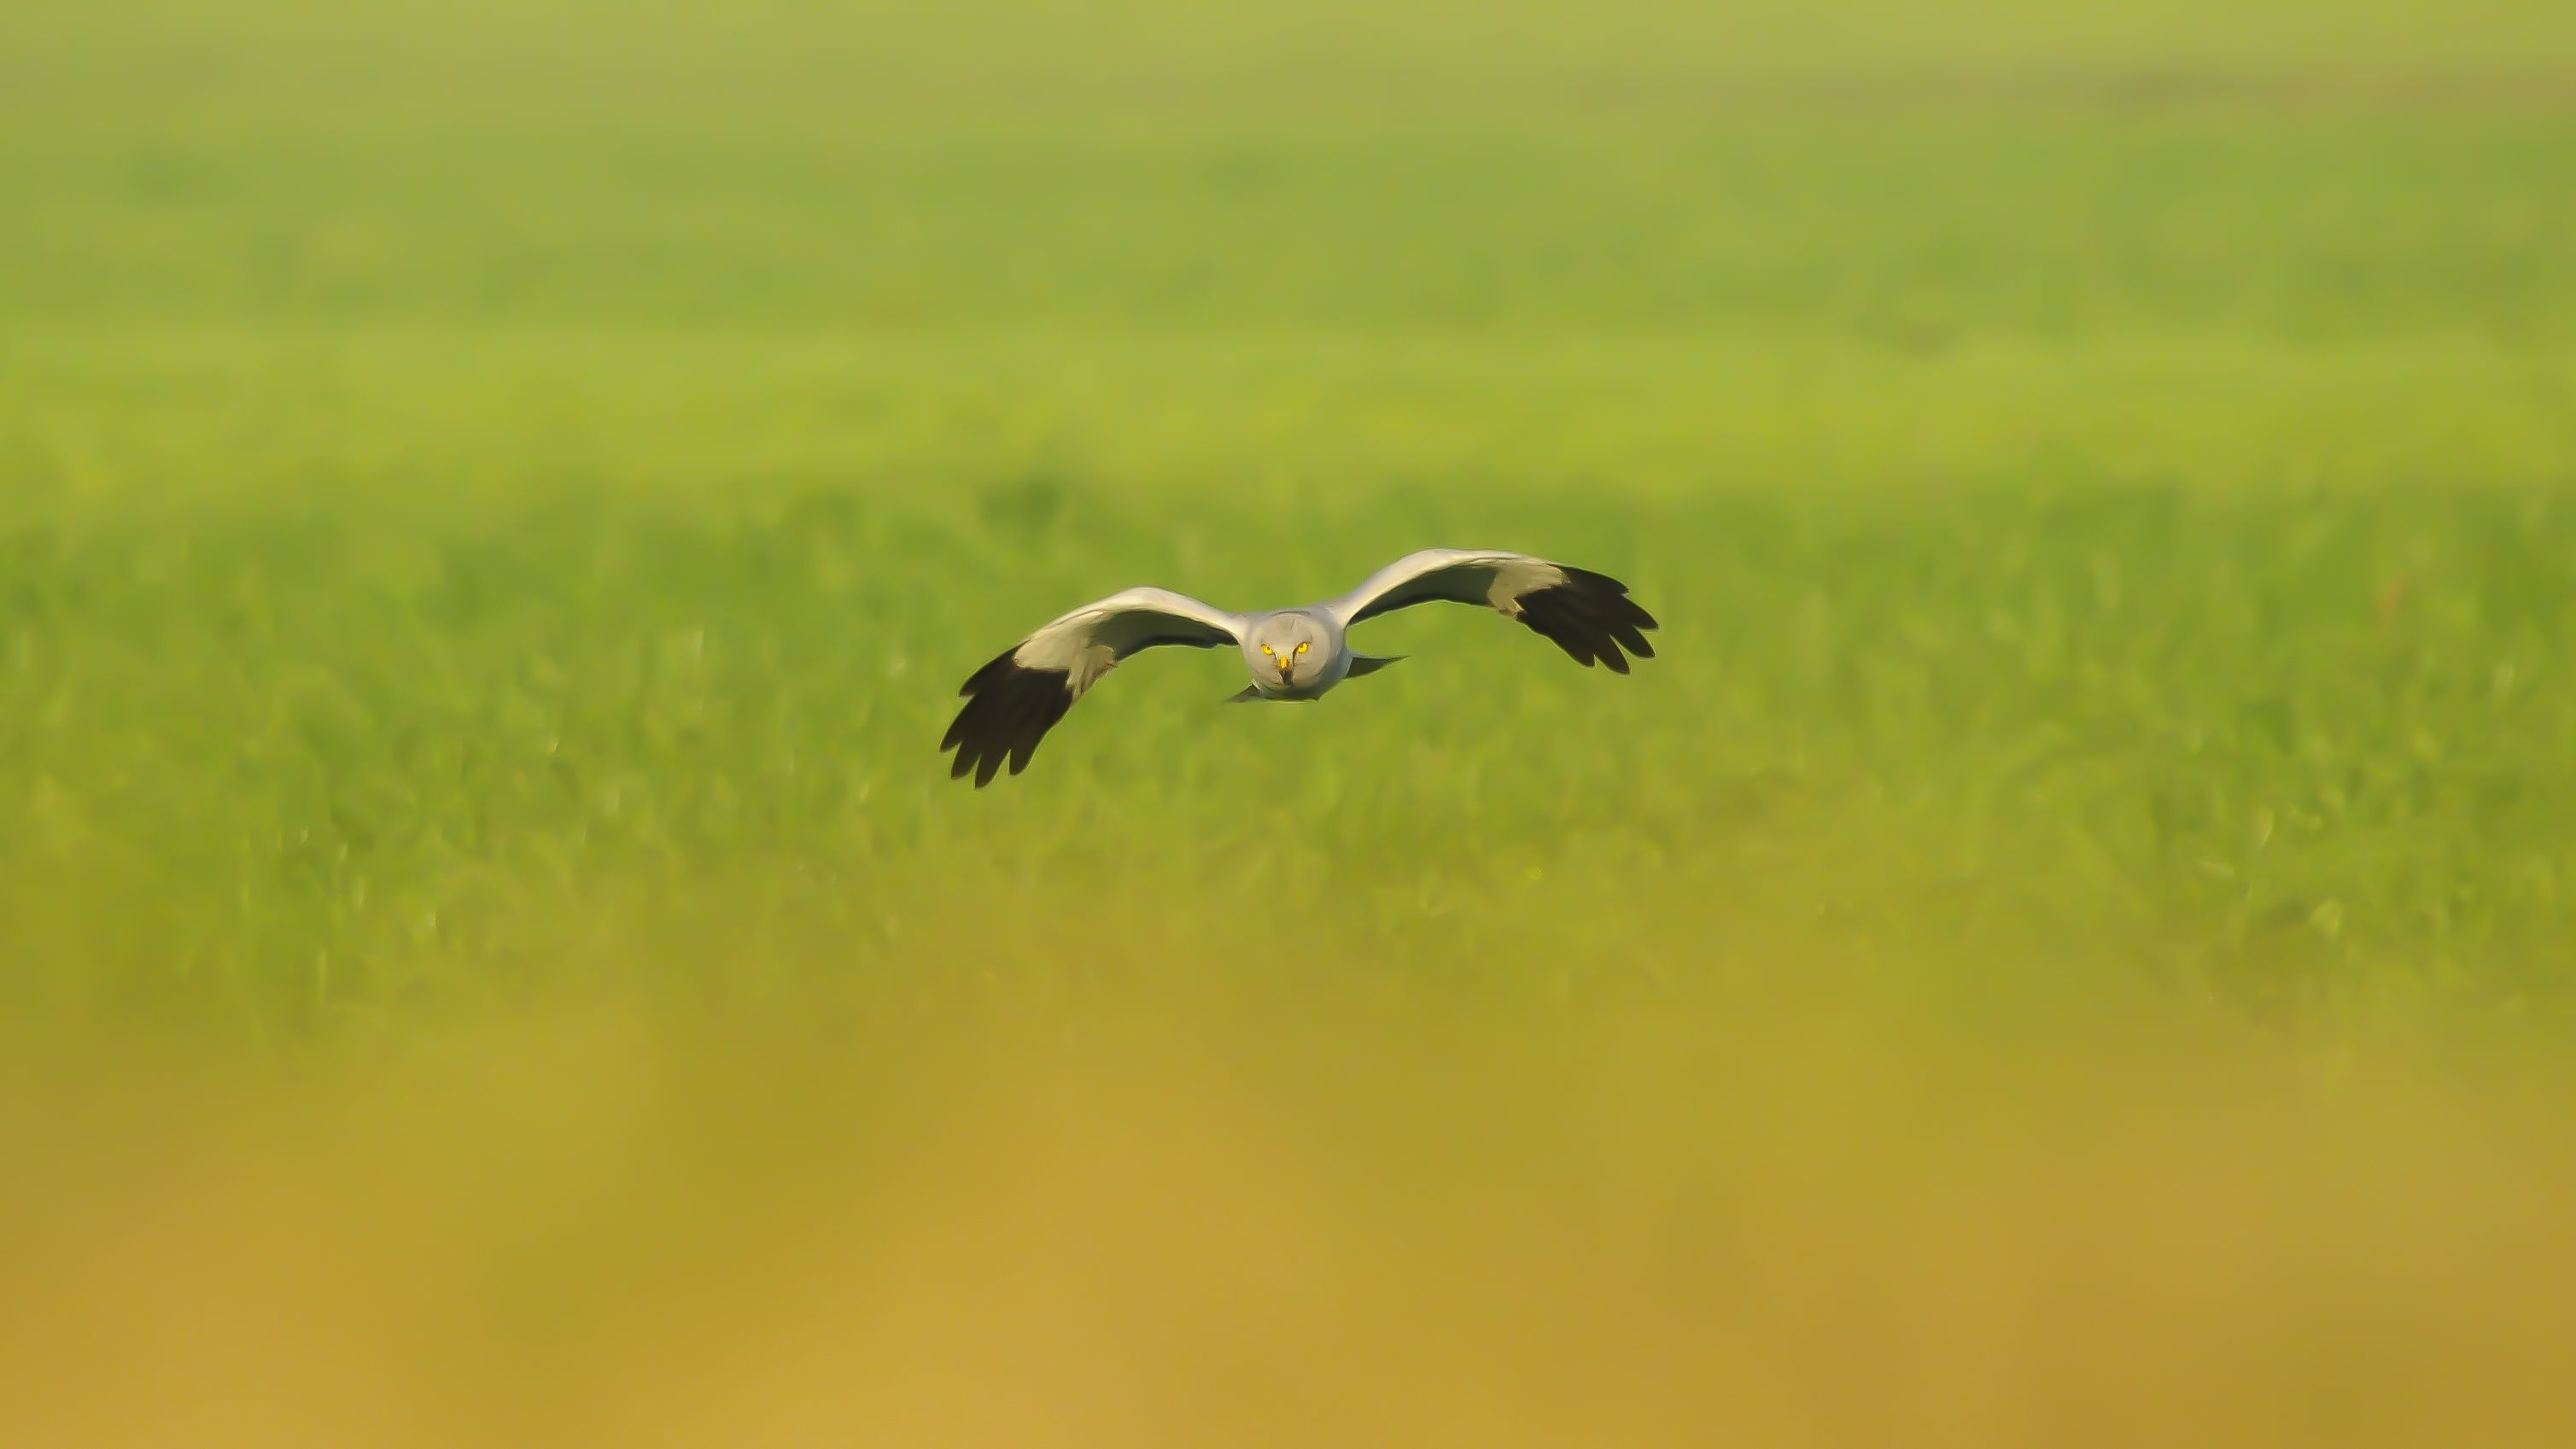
point(1288, 647)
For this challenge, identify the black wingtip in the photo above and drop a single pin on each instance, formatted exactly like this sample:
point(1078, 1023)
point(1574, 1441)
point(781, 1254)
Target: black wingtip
point(1591, 618)
point(1008, 710)
point(1002, 664)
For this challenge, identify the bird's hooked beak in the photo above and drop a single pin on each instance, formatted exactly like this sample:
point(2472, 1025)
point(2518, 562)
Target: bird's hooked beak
point(1287, 666)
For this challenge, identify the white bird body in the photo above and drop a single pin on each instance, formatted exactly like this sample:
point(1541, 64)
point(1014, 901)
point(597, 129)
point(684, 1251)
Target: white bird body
point(1335, 653)
point(1291, 654)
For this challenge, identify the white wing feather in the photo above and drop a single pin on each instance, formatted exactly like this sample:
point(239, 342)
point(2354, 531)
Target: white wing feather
point(1588, 615)
point(1012, 702)
point(1090, 641)
point(1457, 575)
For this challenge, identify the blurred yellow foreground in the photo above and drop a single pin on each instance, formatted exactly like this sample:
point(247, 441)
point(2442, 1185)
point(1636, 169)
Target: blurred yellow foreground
point(1204, 1224)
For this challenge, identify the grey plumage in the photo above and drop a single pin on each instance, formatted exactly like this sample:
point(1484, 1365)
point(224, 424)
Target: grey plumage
point(1292, 654)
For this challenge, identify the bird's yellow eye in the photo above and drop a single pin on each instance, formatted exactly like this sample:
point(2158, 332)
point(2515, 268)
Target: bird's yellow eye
point(1266, 649)
point(1301, 648)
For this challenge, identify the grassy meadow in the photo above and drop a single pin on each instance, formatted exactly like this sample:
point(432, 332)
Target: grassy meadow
point(2072, 940)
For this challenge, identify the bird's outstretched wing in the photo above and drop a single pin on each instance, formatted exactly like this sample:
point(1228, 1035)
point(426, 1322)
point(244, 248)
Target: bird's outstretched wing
point(1588, 615)
point(1012, 702)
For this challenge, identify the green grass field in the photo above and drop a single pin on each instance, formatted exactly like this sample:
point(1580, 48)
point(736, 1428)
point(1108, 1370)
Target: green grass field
point(495, 504)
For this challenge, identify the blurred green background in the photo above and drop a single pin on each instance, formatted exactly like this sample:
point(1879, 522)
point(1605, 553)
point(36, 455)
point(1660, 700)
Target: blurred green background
point(496, 500)
point(477, 474)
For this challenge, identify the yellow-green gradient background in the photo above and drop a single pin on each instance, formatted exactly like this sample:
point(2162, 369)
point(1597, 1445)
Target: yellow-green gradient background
point(2070, 943)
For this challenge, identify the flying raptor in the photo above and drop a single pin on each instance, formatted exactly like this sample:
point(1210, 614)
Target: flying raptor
point(1292, 653)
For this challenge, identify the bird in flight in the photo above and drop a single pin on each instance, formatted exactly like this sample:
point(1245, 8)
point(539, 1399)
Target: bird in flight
point(1292, 653)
